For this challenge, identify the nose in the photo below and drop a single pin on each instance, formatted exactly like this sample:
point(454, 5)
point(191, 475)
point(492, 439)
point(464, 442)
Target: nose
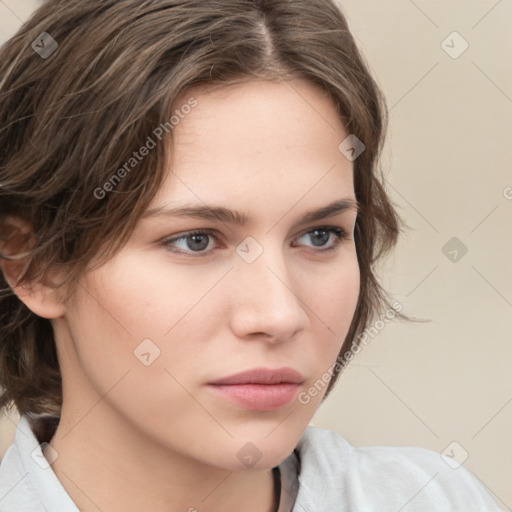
point(265, 301)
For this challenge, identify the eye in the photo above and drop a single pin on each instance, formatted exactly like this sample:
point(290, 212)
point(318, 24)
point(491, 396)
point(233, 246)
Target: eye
point(321, 236)
point(193, 241)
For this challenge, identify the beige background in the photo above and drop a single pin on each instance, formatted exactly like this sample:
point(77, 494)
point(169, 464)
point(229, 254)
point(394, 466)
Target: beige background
point(448, 168)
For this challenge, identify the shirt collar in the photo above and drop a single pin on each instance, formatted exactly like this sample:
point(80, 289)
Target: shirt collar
point(289, 470)
point(43, 479)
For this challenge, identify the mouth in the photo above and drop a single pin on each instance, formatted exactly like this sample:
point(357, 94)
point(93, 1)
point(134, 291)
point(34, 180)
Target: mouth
point(260, 389)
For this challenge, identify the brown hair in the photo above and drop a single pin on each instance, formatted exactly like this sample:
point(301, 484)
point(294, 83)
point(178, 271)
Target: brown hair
point(70, 119)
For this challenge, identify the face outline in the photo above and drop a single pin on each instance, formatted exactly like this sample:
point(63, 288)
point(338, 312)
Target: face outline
point(271, 151)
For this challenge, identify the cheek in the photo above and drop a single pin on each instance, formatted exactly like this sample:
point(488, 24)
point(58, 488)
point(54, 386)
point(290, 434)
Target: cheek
point(146, 297)
point(336, 298)
point(135, 339)
point(125, 303)
point(335, 305)
point(347, 291)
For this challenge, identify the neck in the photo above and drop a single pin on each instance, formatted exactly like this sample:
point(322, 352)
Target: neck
point(105, 463)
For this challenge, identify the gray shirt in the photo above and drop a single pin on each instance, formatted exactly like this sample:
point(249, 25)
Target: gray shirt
point(323, 474)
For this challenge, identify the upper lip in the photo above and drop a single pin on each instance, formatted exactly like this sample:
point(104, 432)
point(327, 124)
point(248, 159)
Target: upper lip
point(263, 376)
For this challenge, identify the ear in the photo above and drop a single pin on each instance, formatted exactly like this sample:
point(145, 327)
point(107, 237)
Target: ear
point(16, 237)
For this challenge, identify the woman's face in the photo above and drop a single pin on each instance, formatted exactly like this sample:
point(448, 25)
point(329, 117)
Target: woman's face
point(148, 331)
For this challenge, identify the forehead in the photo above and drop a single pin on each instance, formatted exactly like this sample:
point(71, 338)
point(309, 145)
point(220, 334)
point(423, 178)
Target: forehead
point(258, 142)
point(248, 116)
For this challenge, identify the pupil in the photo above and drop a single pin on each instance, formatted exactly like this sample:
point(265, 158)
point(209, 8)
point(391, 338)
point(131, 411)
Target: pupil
point(202, 241)
point(324, 238)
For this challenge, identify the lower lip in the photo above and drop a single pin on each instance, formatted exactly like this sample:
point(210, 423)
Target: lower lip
point(258, 397)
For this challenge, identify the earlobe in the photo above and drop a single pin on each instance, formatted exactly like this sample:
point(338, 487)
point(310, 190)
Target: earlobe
point(41, 298)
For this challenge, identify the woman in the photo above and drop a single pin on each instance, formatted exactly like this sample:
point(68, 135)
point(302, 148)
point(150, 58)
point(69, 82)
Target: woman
point(190, 217)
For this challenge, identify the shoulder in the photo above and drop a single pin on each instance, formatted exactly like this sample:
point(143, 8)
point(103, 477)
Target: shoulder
point(389, 478)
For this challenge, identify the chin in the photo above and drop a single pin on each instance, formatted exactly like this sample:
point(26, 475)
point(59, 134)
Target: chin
point(264, 451)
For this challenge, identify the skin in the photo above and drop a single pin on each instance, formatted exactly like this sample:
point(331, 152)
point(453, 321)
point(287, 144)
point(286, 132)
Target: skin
point(132, 435)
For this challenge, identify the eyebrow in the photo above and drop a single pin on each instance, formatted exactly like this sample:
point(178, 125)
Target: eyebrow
point(221, 214)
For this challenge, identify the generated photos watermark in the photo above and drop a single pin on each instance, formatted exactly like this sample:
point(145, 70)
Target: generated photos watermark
point(150, 144)
point(304, 397)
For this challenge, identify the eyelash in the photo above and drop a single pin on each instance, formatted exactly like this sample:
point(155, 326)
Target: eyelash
point(339, 233)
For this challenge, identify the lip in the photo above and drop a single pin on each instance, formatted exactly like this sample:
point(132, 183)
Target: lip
point(260, 389)
point(263, 376)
